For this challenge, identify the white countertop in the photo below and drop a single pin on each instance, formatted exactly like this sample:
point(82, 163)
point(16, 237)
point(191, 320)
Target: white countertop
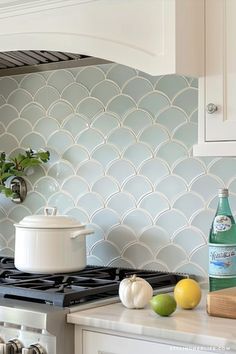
point(191, 327)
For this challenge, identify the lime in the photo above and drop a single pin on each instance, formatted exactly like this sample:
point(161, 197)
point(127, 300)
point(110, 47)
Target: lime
point(187, 293)
point(163, 304)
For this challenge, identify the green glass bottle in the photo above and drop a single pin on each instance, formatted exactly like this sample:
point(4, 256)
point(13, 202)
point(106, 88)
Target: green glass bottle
point(222, 246)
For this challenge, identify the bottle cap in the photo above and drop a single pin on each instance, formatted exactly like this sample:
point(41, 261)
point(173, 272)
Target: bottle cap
point(223, 192)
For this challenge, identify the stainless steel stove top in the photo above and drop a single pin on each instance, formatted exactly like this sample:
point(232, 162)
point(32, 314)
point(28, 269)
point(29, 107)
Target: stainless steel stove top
point(34, 307)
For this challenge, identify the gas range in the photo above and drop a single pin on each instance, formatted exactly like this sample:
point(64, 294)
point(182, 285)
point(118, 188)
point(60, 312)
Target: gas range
point(33, 307)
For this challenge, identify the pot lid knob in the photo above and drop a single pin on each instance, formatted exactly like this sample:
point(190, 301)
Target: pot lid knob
point(50, 211)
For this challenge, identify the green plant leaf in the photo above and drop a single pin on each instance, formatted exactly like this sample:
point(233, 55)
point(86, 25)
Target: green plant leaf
point(17, 165)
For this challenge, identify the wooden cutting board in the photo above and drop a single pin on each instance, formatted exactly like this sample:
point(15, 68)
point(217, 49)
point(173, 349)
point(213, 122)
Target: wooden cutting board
point(222, 303)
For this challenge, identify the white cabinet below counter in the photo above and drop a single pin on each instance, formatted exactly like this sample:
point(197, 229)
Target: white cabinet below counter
point(113, 329)
point(103, 343)
point(217, 103)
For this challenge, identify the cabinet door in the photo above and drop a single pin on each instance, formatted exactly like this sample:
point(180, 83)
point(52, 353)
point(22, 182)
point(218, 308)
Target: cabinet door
point(101, 343)
point(220, 80)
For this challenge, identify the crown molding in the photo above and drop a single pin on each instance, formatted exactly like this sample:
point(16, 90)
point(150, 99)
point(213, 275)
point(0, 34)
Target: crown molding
point(9, 8)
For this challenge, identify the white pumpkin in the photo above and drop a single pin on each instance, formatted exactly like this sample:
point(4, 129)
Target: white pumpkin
point(135, 292)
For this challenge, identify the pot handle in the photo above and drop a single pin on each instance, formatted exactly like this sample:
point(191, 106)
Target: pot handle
point(82, 232)
point(50, 211)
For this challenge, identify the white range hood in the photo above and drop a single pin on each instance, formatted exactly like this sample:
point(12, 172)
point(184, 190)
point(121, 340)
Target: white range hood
point(154, 36)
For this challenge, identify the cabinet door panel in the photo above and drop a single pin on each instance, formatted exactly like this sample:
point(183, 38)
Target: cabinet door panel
point(220, 69)
point(101, 343)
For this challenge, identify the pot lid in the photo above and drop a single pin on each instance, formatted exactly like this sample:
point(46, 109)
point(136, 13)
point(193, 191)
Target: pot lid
point(49, 220)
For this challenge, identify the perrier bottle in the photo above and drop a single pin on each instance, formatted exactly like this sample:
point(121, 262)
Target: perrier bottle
point(222, 246)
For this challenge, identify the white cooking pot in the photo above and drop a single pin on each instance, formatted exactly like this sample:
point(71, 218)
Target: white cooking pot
point(50, 243)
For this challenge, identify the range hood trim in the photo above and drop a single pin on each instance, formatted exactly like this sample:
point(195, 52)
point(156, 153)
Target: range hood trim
point(148, 38)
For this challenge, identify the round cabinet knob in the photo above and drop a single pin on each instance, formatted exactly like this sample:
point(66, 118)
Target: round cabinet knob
point(211, 108)
point(14, 346)
point(34, 349)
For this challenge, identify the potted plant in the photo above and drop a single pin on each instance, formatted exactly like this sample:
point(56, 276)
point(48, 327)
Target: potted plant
point(15, 167)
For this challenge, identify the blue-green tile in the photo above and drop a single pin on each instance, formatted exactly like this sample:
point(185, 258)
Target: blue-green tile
point(155, 238)
point(178, 220)
point(154, 136)
point(74, 93)
point(33, 112)
point(171, 118)
point(105, 154)
point(138, 254)
point(46, 96)
point(187, 100)
point(91, 171)
point(121, 236)
point(224, 168)
point(90, 76)
point(60, 141)
point(138, 186)
point(105, 251)
point(171, 186)
point(32, 83)
point(189, 204)
point(120, 74)
point(187, 134)
point(34, 141)
point(75, 124)
point(171, 85)
point(90, 107)
point(121, 170)
point(154, 169)
point(105, 91)
point(7, 86)
point(8, 114)
point(90, 139)
point(189, 239)
point(121, 203)
point(75, 186)
point(121, 138)
point(137, 154)
point(60, 111)
point(75, 155)
point(154, 102)
point(137, 220)
point(105, 187)
point(60, 79)
point(90, 202)
point(8, 143)
point(121, 105)
point(137, 87)
point(172, 255)
point(106, 123)
point(19, 128)
point(46, 127)
point(189, 169)
point(19, 99)
point(137, 121)
point(105, 219)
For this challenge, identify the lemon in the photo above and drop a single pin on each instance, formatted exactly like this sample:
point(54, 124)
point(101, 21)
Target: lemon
point(163, 304)
point(187, 293)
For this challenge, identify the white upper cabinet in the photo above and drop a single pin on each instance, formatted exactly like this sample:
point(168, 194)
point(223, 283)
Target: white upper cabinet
point(217, 99)
point(155, 36)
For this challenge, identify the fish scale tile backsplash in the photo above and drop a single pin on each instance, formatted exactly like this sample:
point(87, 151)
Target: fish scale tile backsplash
point(121, 161)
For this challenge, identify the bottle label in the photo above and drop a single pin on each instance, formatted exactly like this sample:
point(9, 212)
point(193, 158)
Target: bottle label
point(221, 223)
point(222, 260)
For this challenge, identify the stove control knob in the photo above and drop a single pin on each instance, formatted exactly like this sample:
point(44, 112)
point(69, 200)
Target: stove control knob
point(14, 346)
point(33, 349)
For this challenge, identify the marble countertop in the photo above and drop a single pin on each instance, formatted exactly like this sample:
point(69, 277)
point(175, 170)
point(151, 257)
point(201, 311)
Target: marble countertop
point(193, 328)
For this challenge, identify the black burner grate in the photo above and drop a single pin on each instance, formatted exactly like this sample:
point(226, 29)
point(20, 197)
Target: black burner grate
point(64, 290)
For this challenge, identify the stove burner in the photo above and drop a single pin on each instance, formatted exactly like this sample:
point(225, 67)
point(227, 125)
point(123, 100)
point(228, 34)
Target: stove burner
point(91, 283)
